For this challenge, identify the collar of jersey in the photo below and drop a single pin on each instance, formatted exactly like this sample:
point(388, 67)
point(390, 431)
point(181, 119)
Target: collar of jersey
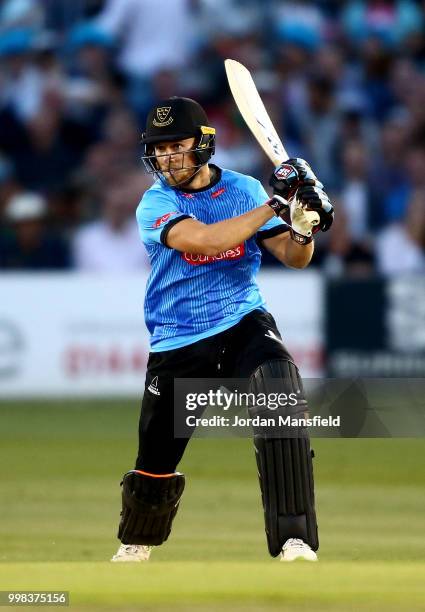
point(216, 179)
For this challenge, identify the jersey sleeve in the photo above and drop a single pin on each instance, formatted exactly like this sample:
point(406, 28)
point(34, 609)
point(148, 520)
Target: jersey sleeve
point(275, 225)
point(156, 214)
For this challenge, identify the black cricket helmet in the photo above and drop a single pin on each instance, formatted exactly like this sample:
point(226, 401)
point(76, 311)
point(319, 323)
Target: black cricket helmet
point(175, 119)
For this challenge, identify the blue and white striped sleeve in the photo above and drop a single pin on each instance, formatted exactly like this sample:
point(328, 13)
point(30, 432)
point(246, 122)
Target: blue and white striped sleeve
point(156, 214)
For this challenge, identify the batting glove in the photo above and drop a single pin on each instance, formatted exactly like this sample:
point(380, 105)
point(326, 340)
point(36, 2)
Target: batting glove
point(287, 177)
point(300, 220)
point(313, 198)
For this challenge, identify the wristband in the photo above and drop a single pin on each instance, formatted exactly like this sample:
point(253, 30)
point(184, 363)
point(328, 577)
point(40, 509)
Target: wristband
point(299, 238)
point(277, 204)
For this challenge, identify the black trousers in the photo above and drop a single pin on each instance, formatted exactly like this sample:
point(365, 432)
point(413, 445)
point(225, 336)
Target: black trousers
point(234, 353)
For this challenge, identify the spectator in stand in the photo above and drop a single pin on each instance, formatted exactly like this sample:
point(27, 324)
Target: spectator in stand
point(122, 134)
point(295, 53)
point(151, 37)
point(27, 243)
point(52, 148)
point(340, 255)
point(350, 246)
point(112, 244)
point(416, 105)
point(235, 146)
point(414, 47)
point(234, 17)
point(413, 168)
point(320, 127)
point(62, 15)
point(21, 14)
point(8, 183)
point(388, 172)
point(404, 78)
point(356, 123)
point(390, 20)
point(358, 199)
point(300, 21)
point(22, 83)
point(134, 23)
point(118, 150)
point(377, 62)
point(400, 248)
point(90, 74)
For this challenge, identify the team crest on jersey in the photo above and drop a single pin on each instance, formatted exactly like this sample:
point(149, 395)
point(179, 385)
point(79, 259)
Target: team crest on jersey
point(162, 117)
point(161, 220)
point(196, 259)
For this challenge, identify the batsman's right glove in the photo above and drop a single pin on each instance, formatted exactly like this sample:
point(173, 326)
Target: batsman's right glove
point(314, 198)
point(302, 222)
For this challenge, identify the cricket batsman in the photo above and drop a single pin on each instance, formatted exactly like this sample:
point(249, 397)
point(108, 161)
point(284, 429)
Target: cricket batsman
point(202, 226)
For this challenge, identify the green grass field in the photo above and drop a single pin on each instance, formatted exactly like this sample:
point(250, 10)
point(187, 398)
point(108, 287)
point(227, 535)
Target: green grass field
point(61, 463)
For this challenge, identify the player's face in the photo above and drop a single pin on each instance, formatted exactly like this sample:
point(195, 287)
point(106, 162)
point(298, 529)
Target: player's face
point(174, 161)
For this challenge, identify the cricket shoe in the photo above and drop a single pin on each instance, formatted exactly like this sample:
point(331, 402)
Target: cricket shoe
point(295, 548)
point(128, 553)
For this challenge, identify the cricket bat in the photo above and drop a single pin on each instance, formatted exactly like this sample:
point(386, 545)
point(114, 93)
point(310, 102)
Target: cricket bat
point(253, 111)
point(256, 117)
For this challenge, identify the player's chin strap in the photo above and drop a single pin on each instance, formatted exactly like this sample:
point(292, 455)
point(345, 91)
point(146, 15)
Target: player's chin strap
point(301, 221)
point(180, 184)
point(151, 167)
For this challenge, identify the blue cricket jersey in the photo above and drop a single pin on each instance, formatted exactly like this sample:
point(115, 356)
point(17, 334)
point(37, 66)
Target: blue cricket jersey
point(190, 296)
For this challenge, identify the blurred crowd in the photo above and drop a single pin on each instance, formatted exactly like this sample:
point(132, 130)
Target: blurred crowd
point(344, 83)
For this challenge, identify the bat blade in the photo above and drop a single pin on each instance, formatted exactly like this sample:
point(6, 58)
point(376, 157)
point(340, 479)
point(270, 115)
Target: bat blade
point(253, 111)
